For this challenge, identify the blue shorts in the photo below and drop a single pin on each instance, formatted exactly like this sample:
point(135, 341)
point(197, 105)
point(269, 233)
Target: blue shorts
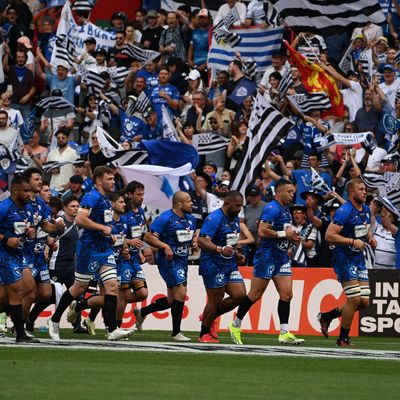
point(173, 272)
point(349, 268)
point(127, 271)
point(27, 262)
point(221, 279)
point(90, 261)
point(41, 273)
point(10, 269)
point(270, 263)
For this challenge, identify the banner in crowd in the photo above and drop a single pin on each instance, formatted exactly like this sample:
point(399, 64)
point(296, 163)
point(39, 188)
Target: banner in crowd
point(314, 289)
point(382, 317)
point(315, 79)
point(347, 139)
point(78, 34)
point(330, 17)
point(257, 43)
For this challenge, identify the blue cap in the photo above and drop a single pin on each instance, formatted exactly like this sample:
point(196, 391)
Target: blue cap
point(389, 66)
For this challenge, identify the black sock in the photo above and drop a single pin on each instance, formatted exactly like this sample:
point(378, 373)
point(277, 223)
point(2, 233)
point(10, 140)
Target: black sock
point(204, 330)
point(94, 312)
point(283, 311)
point(244, 307)
point(36, 310)
point(5, 309)
point(330, 315)
point(219, 312)
point(65, 301)
point(82, 305)
point(16, 317)
point(110, 312)
point(158, 305)
point(176, 312)
point(344, 333)
point(119, 323)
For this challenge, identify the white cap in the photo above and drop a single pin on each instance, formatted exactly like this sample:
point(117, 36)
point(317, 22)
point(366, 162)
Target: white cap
point(225, 183)
point(193, 75)
point(63, 64)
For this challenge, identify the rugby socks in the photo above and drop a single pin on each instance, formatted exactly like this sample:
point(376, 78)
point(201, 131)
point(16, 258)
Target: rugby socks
point(110, 312)
point(5, 309)
point(243, 309)
point(158, 305)
point(204, 330)
point(176, 312)
point(94, 312)
point(119, 323)
point(16, 317)
point(82, 305)
point(330, 315)
point(283, 312)
point(65, 301)
point(344, 333)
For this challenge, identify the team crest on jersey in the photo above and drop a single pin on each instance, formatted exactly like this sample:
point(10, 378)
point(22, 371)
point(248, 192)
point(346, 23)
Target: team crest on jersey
point(219, 278)
point(93, 266)
point(181, 273)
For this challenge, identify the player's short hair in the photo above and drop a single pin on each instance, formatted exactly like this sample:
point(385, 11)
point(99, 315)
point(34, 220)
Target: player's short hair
point(351, 184)
point(100, 171)
point(19, 180)
point(132, 186)
point(114, 196)
point(69, 199)
point(30, 171)
point(281, 183)
point(233, 195)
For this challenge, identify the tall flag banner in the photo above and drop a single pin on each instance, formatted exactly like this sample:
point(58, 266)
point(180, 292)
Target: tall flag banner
point(315, 79)
point(257, 43)
point(169, 130)
point(266, 127)
point(285, 83)
point(139, 54)
point(64, 51)
point(209, 142)
point(328, 17)
point(310, 102)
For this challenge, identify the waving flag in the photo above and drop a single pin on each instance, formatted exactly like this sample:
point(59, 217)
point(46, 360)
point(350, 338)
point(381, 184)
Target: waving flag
point(285, 83)
point(209, 142)
point(315, 79)
point(328, 17)
point(54, 102)
point(310, 102)
point(169, 131)
point(139, 54)
point(28, 127)
point(257, 43)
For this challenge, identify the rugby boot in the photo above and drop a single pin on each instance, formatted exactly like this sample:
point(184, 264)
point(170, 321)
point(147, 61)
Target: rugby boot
point(207, 338)
point(180, 337)
point(119, 334)
point(139, 320)
point(26, 339)
point(29, 326)
point(90, 326)
point(324, 324)
point(344, 342)
point(3, 322)
point(54, 329)
point(236, 334)
point(72, 314)
point(213, 327)
point(289, 338)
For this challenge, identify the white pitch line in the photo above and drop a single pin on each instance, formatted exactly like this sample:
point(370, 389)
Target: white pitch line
point(197, 348)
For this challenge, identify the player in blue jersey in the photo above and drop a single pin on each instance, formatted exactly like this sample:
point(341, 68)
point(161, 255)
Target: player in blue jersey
point(95, 255)
point(16, 226)
point(219, 236)
point(349, 231)
point(172, 233)
point(271, 261)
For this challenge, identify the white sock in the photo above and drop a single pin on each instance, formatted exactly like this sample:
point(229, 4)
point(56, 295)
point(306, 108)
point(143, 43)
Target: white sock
point(284, 328)
point(237, 322)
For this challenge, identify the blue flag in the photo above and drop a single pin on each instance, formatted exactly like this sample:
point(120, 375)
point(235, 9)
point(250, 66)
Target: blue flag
point(166, 153)
point(388, 125)
point(28, 127)
point(243, 89)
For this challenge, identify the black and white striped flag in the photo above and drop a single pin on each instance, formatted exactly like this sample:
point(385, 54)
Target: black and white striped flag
point(346, 64)
point(138, 104)
point(64, 51)
point(382, 182)
point(250, 69)
point(310, 102)
point(118, 75)
point(223, 35)
point(94, 82)
point(49, 166)
point(139, 54)
point(328, 17)
point(82, 5)
point(266, 127)
point(209, 142)
point(366, 62)
point(54, 102)
point(285, 83)
point(129, 157)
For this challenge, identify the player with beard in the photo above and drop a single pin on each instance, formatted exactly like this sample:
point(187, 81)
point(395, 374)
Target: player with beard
point(349, 231)
point(218, 240)
point(172, 233)
point(271, 261)
point(94, 255)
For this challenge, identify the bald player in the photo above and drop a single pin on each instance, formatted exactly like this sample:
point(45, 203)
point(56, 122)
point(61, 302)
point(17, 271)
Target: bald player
point(172, 233)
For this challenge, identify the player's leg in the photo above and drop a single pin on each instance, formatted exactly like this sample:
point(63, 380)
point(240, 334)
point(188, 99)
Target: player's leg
point(284, 286)
point(176, 297)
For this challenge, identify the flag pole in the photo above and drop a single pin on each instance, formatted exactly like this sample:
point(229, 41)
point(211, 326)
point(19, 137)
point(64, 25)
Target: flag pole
point(309, 45)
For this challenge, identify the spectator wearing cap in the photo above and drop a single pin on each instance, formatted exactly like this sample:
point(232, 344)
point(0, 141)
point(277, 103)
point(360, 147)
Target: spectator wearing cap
point(390, 83)
point(24, 44)
point(101, 56)
point(199, 44)
point(88, 59)
point(164, 94)
point(118, 21)
point(61, 80)
point(151, 35)
point(232, 6)
point(172, 40)
point(82, 169)
point(62, 153)
point(153, 128)
point(22, 81)
point(389, 163)
point(352, 94)
point(381, 48)
point(194, 84)
point(53, 119)
point(75, 188)
point(252, 213)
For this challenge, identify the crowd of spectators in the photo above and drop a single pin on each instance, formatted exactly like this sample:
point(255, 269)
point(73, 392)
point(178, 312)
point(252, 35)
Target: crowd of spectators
point(198, 100)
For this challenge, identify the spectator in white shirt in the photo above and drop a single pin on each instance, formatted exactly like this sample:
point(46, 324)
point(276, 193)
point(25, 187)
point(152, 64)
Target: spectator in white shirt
point(238, 9)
